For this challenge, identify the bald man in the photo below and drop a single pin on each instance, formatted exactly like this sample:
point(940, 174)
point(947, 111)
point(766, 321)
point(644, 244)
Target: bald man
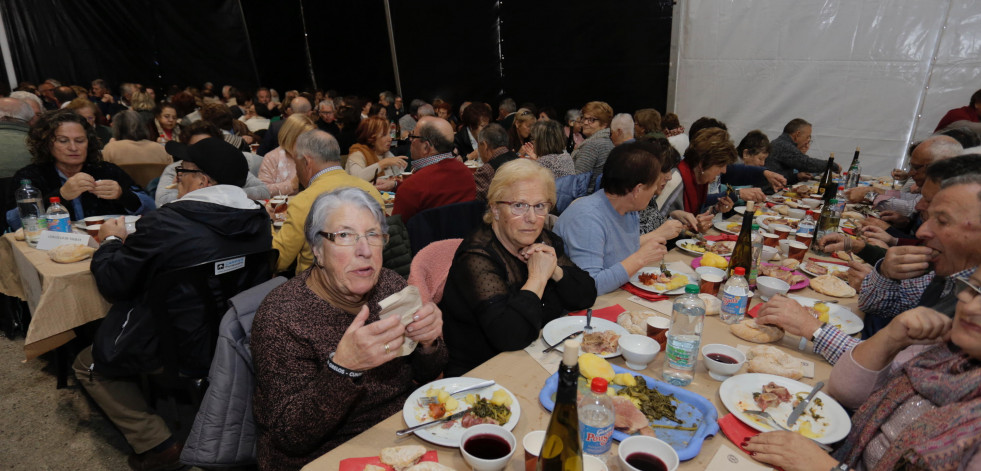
point(438, 178)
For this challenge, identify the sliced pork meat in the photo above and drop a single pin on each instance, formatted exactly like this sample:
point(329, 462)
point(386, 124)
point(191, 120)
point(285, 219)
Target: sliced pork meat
point(629, 418)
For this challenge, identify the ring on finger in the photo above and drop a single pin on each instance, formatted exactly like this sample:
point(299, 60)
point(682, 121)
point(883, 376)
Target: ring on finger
point(387, 349)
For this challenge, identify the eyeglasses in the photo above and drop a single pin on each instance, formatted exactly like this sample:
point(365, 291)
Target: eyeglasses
point(347, 239)
point(519, 208)
point(412, 137)
point(180, 170)
point(966, 291)
point(588, 120)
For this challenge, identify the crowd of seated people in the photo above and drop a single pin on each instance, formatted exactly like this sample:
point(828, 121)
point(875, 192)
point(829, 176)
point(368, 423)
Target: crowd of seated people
point(327, 367)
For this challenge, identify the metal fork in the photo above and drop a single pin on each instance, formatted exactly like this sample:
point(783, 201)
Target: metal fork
point(769, 418)
point(425, 401)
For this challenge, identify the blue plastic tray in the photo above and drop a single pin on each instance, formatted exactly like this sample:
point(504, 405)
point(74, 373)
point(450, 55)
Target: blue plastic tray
point(692, 409)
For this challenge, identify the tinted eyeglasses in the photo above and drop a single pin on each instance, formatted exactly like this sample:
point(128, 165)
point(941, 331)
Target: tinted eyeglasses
point(347, 239)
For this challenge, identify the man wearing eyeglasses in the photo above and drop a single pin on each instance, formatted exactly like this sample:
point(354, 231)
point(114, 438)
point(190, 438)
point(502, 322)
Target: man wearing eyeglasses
point(788, 153)
point(327, 121)
point(438, 177)
point(212, 219)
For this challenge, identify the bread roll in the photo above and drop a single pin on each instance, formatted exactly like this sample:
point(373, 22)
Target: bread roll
point(401, 457)
point(771, 360)
point(70, 253)
point(634, 321)
point(429, 466)
point(712, 304)
point(832, 286)
point(19, 234)
point(371, 467)
point(790, 263)
point(852, 215)
point(750, 331)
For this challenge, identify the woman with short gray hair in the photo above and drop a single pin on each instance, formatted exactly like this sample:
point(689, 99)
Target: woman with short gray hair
point(132, 143)
point(327, 366)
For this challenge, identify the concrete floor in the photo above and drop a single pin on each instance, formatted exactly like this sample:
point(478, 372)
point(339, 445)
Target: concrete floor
point(43, 428)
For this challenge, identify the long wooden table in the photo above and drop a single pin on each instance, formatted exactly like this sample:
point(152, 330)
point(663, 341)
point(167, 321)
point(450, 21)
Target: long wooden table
point(524, 377)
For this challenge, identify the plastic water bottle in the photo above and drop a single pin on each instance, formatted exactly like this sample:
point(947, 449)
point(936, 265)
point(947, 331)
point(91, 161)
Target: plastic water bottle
point(735, 297)
point(596, 417)
point(854, 176)
point(58, 217)
point(684, 337)
point(757, 253)
point(808, 224)
point(31, 209)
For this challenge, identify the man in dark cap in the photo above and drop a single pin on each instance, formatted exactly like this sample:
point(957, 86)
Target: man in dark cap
point(212, 219)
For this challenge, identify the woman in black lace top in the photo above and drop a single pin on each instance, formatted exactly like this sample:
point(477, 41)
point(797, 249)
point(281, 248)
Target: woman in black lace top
point(511, 276)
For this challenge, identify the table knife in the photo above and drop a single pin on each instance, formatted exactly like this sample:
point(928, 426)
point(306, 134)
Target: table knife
point(560, 342)
point(803, 405)
point(448, 418)
point(589, 320)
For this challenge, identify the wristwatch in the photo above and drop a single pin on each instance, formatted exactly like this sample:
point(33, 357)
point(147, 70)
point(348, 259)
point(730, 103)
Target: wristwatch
point(108, 239)
point(840, 467)
point(803, 340)
point(819, 331)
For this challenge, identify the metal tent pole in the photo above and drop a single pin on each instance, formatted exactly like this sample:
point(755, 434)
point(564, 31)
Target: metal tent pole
point(391, 44)
point(306, 42)
point(8, 60)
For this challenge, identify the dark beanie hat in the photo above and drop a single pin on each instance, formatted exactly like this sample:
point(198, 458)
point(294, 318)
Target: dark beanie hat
point(218, 159)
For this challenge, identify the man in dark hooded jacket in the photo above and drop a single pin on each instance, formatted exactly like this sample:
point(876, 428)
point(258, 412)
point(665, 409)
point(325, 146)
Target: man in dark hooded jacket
point(211, 219)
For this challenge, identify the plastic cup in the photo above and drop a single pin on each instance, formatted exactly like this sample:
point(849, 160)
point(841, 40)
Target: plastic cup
point(805, 239)
point(770, 240)
point(710, 284)
point(94, 220)
point(93, 230)
point(782, 231)
point(657, 329)
point(532, 444)
point(796, 250)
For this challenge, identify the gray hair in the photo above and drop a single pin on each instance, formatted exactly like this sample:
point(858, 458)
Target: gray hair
point(572, 115)
point(942, 147)
point(429, 133)
point(15, 108)
point(319, 145)
point(300, 105)
point(547, 138)
point(425, 110)
point(129, 125)
point(327, 203)
point(329, 103)
point(414, 105)
point(508, 105)
point(387, 96)
point(494, 135)
point(24, 96)
point(623, 122)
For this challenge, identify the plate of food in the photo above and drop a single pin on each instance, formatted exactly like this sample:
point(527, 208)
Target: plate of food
point(795, 279)
point(603, 340)
point(698, 248)
point(824, 268)
point(824, 420)
point(728, 227)
point(832, 313)
point(490, 405)
point(645, 406)
point(651, 279)
point(766, 222)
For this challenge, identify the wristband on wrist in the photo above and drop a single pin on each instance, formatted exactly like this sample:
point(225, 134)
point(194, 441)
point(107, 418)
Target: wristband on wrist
point(109, 239)
point(340, 369)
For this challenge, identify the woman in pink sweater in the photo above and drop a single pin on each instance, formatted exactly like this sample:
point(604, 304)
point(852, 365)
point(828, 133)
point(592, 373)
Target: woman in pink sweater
point(917, 386)
point(278, 170)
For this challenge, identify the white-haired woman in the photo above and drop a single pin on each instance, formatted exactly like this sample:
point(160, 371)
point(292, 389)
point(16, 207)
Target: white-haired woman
point(511, 276)
point(327, 367)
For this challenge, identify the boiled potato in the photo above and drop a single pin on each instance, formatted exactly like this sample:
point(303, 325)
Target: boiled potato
point(713, 260)
point(501, 398)
point(470, 399)
point(451, 404)
point(443, 396)
point(593, 366)
point(624, 379)
point(822, 310)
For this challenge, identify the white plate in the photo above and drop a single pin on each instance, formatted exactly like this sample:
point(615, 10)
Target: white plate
point(635, 280)
point(838, 316)
point(737, 395)
point(832, 268)
point(721, 226)
point(556, 330)
point(764, 221)
point(681, 246)
point(414, 415)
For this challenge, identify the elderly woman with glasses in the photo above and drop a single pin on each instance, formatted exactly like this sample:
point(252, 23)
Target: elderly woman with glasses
point(327, 367)
point(916, 385)
point(511, 276)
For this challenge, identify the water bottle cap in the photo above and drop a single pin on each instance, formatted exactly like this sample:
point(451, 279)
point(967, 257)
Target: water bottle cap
point(691, 289)
point(599, 385)
point(739, 271)
point(841, 187)
point(54, 199)
point(25, 182)
point(756, 226)
point(833, 201)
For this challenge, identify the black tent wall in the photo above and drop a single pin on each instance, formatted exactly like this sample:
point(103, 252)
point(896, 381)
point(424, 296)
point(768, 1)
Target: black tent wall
point(555, 53)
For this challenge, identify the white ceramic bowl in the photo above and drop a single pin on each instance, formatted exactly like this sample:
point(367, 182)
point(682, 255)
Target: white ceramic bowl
point(769, 253)
point(721, 371)
point(767, 286)
point(638, 350)
point(479, 464)
point(592, 463)
point(649, 445)
point(811, 202)
point(702, 271)
point(796, 213)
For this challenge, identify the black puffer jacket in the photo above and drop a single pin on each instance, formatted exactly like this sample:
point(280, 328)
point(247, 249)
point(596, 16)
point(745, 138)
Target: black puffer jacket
point(179, 234)
point(397, 254)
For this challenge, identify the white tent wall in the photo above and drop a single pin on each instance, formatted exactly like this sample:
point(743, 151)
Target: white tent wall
point(872, 73)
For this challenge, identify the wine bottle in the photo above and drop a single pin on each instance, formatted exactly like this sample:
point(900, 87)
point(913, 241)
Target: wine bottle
point(561, 449)
point(854, 172)
point(828, 176)
point(827, 222)
point(742, 254)
point(570, 143)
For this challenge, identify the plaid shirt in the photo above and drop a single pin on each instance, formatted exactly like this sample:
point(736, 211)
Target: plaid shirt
point(832, 343)
point(885, 297)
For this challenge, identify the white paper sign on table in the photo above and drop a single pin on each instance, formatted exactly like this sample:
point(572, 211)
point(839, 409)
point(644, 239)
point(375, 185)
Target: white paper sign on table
point(734, 460)
point(550, 361)
point(52, 239)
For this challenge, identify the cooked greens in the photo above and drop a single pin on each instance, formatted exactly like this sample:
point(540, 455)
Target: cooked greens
point(652, 403)
point(488, 410)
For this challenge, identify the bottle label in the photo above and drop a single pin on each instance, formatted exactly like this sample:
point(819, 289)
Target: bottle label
point(681, 354)
point(734, 304)
point(59, 224)
point(596, 440)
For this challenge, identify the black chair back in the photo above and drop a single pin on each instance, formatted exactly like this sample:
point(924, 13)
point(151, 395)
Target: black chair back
point(453, 221)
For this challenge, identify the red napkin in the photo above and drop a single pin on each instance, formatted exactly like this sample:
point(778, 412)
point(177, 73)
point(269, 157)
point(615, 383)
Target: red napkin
point(736, 431)
point(607, 313)
point(726, 237)
point(752, 312)
point(643, 294)
point(848, 230)
point(827, 261)
point(358, 464)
